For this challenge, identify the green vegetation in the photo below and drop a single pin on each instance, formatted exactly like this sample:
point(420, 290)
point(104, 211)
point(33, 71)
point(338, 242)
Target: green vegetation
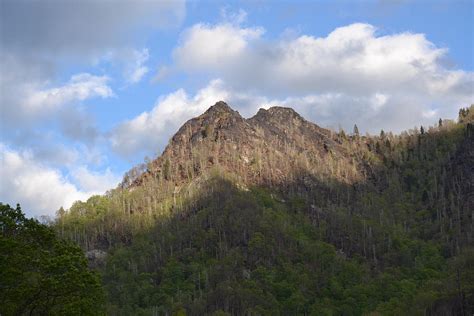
point(393, 237)
point(41, 274)
point(241, 252)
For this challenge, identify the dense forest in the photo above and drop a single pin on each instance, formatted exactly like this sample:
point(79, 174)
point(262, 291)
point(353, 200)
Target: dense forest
point(273, 215)
point(41, 274)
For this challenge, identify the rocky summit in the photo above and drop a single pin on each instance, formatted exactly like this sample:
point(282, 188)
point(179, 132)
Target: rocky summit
point(274, 147)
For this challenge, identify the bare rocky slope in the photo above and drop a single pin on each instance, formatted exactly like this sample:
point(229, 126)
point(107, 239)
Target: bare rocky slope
point(276, 147)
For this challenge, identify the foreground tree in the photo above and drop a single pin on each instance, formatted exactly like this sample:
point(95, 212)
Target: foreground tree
point(41, 274)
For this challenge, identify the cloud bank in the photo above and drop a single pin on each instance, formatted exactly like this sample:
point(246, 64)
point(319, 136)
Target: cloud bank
point(377, 80)
point(351, 59)
point(42, 189)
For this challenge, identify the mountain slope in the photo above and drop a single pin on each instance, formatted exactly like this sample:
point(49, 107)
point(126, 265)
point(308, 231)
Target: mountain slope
point(275, 215)
point(274, 147)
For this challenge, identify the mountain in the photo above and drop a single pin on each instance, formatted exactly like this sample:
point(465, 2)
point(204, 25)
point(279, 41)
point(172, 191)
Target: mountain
point(276, 215)
point(274, 148)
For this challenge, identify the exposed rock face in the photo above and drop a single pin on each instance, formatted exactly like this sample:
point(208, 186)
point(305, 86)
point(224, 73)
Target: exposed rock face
point(276, 146)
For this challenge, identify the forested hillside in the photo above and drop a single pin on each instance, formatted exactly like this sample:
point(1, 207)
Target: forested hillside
point(274, 215)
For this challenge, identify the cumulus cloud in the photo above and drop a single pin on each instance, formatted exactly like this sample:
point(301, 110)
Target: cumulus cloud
point(29, 102)
point(214, 47)
point(42, 190)
point(133, 62)
point(90, 181)
point(39, 189)
point(351, 58)
point(372, 112)
point(80, 87)
point(354, 72)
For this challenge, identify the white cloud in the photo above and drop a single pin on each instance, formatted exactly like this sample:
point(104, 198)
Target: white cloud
point(371, 112)
point(41, 190)
point(80, 87)
point(28, 103)
point(90, 181)
point(350, 59)
point(378, 101)
point(135, 69)
point(366, 75)
point(205, 46)
point(236, 18)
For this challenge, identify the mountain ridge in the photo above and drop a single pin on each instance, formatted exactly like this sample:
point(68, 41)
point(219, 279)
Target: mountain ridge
point(278, 131)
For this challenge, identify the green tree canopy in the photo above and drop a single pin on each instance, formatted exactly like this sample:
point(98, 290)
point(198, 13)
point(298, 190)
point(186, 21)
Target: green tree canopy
point(41, 274)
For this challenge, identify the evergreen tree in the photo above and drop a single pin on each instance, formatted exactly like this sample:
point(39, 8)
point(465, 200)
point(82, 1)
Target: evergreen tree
point(356, 130)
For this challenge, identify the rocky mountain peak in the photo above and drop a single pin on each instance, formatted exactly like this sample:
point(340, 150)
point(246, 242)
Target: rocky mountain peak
point(278, 115)
point(283, 111)
point(273, 146)
point(220, 108)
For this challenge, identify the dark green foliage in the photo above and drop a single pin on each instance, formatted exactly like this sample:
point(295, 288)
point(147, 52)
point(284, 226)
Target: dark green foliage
point(466, 114)
point(248, 253)
point(43, 275)
point(398, 242)
point(239, 252)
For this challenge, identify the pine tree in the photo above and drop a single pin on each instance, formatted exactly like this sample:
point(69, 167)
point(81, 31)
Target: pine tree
point(356, 130)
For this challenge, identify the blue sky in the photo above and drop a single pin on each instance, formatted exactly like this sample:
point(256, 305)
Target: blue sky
point(89, 88)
